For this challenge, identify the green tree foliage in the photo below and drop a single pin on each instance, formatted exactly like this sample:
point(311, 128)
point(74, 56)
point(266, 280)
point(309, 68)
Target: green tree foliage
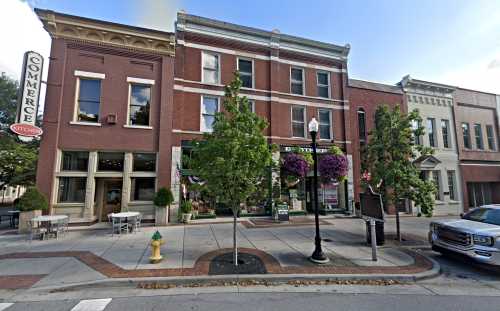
point(17, 160)
point(163, 197)
point(32, 200)
point(233, 158)
point(391, 153)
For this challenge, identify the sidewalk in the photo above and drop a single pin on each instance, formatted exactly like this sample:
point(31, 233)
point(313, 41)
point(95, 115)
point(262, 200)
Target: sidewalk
point(85, 256)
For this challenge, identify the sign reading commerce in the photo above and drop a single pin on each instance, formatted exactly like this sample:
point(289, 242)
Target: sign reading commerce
point(29, 95)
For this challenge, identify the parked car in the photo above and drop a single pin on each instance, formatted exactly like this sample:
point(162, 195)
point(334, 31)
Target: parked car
point(476, 235)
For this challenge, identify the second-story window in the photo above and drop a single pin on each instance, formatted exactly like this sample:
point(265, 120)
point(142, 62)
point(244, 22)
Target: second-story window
point(325, 124)
point(298, 121)
point(361, 125)
point(140, 101)
point(431, 129)
point(89, 100)
point(209, 106)
point(245, 68)
point(297, 81)
point(491, 137)
point(478, 133)
point(415, 126)
point(323, 84)
point(466, 135)
point(210, 63)
point(445, 130)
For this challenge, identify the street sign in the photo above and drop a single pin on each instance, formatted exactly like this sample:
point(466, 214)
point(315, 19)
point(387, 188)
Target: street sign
point(29, 95)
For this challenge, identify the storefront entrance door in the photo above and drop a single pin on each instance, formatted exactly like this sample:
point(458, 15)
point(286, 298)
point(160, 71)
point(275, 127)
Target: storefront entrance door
point(112, 198)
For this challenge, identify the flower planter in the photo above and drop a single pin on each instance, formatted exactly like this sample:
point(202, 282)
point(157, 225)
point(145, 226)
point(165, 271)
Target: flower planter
point(161, 216)
point(186, 218)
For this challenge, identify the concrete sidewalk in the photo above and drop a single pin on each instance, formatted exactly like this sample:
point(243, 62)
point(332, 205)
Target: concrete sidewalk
point(94, 255)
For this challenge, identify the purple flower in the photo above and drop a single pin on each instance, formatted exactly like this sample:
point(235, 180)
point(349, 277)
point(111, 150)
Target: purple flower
point(333, 167)
point(295, 165)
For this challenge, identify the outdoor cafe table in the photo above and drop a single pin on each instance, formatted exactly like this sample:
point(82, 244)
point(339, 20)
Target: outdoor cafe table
point(125, 215)
point(48, 219)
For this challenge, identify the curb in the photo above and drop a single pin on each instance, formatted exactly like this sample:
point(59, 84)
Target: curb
point(274, 278)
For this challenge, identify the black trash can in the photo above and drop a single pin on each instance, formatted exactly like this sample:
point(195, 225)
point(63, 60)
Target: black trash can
point(379, 233)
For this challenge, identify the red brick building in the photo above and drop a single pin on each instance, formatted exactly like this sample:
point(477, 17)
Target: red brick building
point(288, 80)
point(364, 99)
point(109, 85)
point(476, 121)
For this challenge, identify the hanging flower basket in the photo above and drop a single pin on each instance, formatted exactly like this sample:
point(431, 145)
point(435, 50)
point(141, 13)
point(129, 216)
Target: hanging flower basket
point(295, 167)
point(333, 167)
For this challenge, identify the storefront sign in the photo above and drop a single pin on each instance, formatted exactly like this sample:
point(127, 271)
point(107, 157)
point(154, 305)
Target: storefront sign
point(29, 95)
point(303, 149)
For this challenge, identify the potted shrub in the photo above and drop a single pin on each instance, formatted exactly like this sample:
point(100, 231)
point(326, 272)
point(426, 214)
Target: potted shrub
point(186, 209)
point(162, 200)
point(31, 204)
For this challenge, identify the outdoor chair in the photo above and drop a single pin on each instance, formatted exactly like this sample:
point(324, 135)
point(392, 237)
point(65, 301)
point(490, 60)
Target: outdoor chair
point(59, 228)
point(36, 230)
point(136, 222)
point(117, 224)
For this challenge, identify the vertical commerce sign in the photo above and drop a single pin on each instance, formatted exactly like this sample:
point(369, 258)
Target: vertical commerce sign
point(29, 95)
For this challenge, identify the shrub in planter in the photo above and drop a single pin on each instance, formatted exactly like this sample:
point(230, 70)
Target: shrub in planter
point(186, 208)
point(31, 204)
point(162, 200)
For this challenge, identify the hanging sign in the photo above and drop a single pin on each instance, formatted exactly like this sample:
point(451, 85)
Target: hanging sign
point(29, 95)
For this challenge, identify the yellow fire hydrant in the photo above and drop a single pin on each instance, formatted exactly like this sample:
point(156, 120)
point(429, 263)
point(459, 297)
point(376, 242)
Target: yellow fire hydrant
point(156, 243)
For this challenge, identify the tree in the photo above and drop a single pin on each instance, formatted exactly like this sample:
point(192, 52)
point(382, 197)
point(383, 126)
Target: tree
point(233, 159)
point(17, 160)
point(391, 153)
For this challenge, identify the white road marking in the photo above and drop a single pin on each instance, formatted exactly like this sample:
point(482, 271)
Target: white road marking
point(5, 305)
point(92, 305)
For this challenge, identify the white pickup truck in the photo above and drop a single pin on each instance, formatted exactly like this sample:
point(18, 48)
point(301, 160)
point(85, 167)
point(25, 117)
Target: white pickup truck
point(476, 235)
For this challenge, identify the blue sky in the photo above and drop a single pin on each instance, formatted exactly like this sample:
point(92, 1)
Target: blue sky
point(447, 41)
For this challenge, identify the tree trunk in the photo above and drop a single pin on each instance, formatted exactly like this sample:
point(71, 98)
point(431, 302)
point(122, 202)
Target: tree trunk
point(235, 245)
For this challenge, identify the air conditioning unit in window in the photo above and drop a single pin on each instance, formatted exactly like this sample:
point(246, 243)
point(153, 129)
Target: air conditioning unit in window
point(111, 118)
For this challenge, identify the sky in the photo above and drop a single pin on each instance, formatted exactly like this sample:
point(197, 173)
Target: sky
point(455, 42)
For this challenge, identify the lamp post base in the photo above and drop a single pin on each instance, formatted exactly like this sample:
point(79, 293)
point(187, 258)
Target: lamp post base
point(320, 258)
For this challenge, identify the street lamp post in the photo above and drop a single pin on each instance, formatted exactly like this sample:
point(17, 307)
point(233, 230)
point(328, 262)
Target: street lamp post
point(317, 256)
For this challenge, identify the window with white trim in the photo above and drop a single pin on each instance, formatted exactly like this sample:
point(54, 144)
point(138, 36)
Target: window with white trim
point(211, 68)
point(323, 83)
point(89, 100)
point(140, 101)
point(245, 68)
point(209, 106)
point(478, 133)
point(297, 81)
point(325, 124)
point(491, 137)
point(298, 121)
point(451, 184)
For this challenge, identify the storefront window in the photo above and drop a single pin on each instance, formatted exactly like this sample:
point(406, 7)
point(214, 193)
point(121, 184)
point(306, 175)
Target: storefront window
point(110, 161)
point(72, 189)
point(142, 188)
point(144, 162)
point(74, 161)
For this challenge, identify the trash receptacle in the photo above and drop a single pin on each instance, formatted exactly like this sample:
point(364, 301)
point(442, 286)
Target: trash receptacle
point(379, 233)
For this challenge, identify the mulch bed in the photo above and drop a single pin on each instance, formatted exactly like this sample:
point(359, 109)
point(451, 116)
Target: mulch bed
point(268, 222)
point(247, 264)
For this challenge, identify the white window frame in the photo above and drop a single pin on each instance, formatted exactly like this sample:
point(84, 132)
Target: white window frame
point(453, 184)
point(89, 76)
point(253, 70)
point(203, 53)
point(139, 81)
point(330, 115)
point(291, 120)
point(439, 193)
point(322, 85)
point(448, 134)
point(303, 81)
point(202, 129)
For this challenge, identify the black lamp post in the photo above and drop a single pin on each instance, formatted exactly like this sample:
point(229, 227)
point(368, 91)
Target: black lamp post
point(317, 256)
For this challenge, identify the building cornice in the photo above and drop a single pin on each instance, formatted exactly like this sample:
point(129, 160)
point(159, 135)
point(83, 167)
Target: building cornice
point(271, 39)
point(83, 29)
point(408, 82)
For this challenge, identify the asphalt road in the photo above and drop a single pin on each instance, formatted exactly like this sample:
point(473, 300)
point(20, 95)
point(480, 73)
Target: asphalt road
point(273, 301)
